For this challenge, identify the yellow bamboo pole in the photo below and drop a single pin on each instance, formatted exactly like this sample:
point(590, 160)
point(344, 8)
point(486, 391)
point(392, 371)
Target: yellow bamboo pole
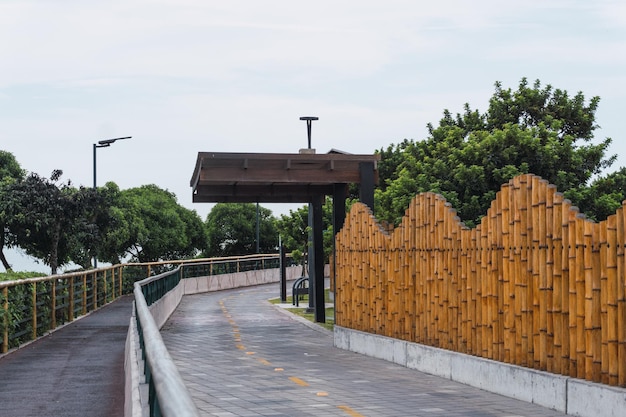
point(541, 289)
point(521, 293)
point(548, 269)
point(621, 297)
point(612, 283)
point(604, 264)
point(508, 269)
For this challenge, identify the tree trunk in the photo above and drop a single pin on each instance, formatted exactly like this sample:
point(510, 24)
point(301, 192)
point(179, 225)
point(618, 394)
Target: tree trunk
point(3, 258)
point(54, 250)
point(5, 263)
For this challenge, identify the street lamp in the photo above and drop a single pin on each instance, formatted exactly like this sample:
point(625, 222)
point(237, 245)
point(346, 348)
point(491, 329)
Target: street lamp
point(103, 144)
point(309, 119)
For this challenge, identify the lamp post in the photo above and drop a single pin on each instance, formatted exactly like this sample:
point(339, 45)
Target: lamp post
point(101, 144)
point(308, 120)
point(311, 244)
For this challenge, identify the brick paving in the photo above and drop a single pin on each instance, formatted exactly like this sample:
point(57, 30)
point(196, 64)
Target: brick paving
point(241, 356)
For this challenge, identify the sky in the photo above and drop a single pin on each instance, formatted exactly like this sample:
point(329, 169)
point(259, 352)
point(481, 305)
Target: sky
point(189, 76)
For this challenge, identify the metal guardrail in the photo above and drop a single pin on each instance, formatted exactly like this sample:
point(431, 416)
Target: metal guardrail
point(32, 307)
point(167, 394)
point(29, 308)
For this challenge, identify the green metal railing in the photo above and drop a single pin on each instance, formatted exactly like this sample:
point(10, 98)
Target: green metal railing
point(167, 394)
point(30, 308)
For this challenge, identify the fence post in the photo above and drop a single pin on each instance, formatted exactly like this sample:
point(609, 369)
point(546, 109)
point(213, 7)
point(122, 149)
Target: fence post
point(34, 319)
point(84, 294)
point(120, 277)
point(71, 312)
point(5, 320)
point(53, 318)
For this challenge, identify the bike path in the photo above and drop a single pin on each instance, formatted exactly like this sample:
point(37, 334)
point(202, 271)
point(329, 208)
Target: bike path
point(241, 356)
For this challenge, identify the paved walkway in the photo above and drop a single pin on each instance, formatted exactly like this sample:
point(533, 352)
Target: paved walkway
point(241, 356)
point(76, 371)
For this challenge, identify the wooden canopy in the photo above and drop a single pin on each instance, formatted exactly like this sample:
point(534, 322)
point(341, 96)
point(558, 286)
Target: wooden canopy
point(304, 177)
point(277, 178)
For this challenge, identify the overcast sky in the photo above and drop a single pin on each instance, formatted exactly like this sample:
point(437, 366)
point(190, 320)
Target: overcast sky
point(187, 76)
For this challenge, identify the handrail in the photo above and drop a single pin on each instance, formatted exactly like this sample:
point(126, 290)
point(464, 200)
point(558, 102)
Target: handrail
point(167, 393)
point(31, 307)
point(172, 397)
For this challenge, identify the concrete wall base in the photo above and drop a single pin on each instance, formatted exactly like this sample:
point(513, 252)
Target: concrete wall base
point(568, 395)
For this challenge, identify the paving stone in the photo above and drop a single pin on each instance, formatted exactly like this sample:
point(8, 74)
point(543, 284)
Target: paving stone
point(241, 356)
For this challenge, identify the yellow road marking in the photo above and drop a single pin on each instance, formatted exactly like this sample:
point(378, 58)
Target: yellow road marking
point(278, 369)
point(322, 394)
point(350, 411)
point(240, 346)
point(264, 361)
point(298, 381)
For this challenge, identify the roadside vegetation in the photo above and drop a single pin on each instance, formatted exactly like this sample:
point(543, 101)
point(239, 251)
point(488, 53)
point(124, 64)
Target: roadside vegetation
point(466, 157)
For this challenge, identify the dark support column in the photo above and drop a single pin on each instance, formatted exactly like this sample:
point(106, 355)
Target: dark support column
point(283, 274)
point(310, 262)
point(366, 171)
point(318, 259)
point(340, 193)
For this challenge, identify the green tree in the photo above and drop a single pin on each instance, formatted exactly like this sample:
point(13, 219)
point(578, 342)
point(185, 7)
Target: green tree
point(294, 233)
point(603, 197)
point(231, 230)
point(148, 224)
point(10, 172)
point(40, 215)
point(294, 230)
point(468, 157)
point(91, 224)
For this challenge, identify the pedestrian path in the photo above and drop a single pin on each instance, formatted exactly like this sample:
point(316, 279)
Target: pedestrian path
point(78, 370)
point(241, 356)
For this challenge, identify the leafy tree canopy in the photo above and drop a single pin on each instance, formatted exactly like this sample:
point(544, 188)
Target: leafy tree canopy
point(231, 230)
point(150, 225)
point(10, 172)
point(41, 216)
point(467, 157)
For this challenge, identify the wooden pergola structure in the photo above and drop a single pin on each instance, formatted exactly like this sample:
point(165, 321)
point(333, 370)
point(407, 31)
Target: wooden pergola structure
point(304, 177)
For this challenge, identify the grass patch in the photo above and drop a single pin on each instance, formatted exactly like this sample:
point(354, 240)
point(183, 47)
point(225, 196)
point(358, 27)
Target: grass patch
point(330, 311)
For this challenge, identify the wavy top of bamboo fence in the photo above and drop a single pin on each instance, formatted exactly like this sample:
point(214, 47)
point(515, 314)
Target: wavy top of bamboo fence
point(527, 203)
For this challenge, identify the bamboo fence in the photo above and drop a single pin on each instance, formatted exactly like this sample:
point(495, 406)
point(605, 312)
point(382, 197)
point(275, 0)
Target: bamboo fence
point(535, 284)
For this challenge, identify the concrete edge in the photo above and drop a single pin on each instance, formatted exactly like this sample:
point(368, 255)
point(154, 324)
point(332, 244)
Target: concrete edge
point(557, 392)
point(132, 395)
point(302, 320)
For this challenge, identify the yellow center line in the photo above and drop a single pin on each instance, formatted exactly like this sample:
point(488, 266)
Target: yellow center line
point(298, 381)
point(350, 411)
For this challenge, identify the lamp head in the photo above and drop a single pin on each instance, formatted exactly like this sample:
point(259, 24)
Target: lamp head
point(108, 142)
